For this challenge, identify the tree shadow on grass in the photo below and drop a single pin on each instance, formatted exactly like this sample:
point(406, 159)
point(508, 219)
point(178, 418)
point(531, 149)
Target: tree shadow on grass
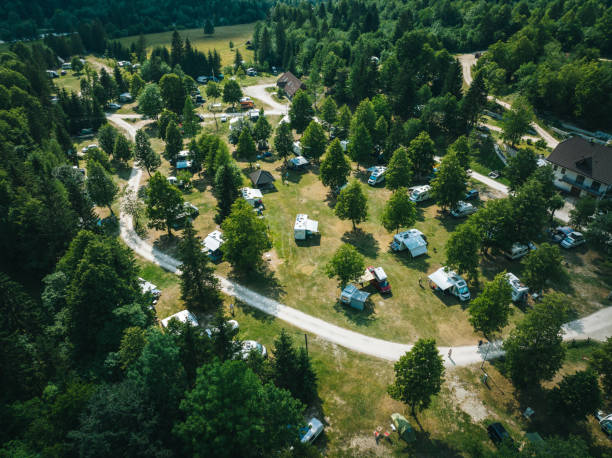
point(420, 263)
point(253, 312)
point(261, 280)
point(449, 223)
point(168, 244)
point(363, 317)
point(152, 129)
point(365, 242)
point(426, 446)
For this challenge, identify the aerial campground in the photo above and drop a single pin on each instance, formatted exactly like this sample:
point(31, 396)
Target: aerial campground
point(303, 228)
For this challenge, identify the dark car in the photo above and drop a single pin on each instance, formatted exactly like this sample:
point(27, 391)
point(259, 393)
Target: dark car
point(560, 233)
point(472, 194)
point(498, 433)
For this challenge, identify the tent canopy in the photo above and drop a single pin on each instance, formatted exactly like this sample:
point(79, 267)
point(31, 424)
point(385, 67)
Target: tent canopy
point(441, 278)
point(404, 428)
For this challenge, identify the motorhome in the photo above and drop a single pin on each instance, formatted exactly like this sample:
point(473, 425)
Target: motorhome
point(463, 209)
point(519, 290)
point(412, 240)
point(449, 282)
point(420, 193)
point(377, 175)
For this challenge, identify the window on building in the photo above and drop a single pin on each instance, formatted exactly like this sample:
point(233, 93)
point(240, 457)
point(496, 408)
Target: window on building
point(595, 185)
point(580, 179)
point(563, 171)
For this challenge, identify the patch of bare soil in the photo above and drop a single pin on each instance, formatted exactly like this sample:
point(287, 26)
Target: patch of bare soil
point(467, 400)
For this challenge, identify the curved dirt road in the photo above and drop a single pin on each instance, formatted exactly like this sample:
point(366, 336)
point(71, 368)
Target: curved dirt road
point(597, 326)
point(259, 92)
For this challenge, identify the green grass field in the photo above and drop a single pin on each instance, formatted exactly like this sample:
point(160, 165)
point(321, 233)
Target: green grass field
point(238, 34)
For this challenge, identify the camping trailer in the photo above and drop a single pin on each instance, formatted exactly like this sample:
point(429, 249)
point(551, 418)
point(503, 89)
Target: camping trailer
point(519, 290)
point(449, 282)
point(518, 250)
point(412, 240)
point(304, 227)
point(184, 316)
point(212, 245)
point(252, 196)
point(377, 175)
point(351, 295)
point(420, 193)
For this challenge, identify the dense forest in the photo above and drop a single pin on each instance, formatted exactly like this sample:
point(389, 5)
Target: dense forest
point(547, 51)
point(28, 19)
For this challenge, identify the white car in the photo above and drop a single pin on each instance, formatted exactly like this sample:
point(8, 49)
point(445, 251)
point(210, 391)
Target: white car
point(113, 106)
point(233, 324)
point(463, 209)
point(572, 240)
point(311, 431)
point(88, 147)
point(224, 118)
point(249, 345)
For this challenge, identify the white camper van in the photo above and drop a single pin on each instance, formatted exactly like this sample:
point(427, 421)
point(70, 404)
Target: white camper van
point(420, 193)
point(449, 282)
point(377, 175)
point(519, 291)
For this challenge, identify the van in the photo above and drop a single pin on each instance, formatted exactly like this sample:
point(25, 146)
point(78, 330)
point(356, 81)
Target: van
point(517, 251)
point(377, 175)
point(420, 193)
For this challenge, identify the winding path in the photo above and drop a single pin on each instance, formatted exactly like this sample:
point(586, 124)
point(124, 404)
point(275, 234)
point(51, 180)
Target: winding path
point(467, 62)
point(597, 326)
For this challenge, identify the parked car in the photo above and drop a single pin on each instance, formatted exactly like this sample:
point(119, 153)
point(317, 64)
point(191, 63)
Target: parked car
point(472, 194)
point(113, 106)
point(560, 233)
point(311, 431)
point(224, 118)
point(201, 116)
point(463, 209)
point(249, 345)
point(494, 174)
point(498, 433)
point(572, 240)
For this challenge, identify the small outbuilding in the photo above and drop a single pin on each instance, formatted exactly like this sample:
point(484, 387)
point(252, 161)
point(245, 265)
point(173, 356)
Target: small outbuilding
point(261, 179)
point(298, 163)
point(304, 227)
point(184, 316)
point(212, 245)
point(351, 295)
point(252, 196)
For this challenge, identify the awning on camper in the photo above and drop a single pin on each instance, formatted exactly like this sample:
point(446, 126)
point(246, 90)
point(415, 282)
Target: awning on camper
point(213, 241)
point(416, 245)
point(440, 278)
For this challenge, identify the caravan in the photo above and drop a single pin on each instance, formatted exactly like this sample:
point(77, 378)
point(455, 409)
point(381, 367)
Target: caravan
point(412, 240)
point(304, 227)
point(449, 282)
point(518, 250)
point(377, 175)
point(420, 193)
point(519, 291)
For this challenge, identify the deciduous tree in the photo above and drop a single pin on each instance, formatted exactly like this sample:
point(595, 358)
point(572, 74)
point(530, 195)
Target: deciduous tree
point(246, 237)
point(448, 187)
point(283, 140)
point(489, 312)
point(534, 350)
point(106, 137)
point(150, 101)
point(515, 122)
point(577, 395)
point(262, 130)
point(335, 167)
point(541, 266)
point(418, 376)
point(352, 204)
point(314, 141)
point(347, 264)
point(246, 148)
point(360, 145)
point(164, 203)
point(232, 92)
point(399, 211)
point(520, 167)
point(174, 141)
point(172, 92)
point(399, 171)
point(601, 362)
point(122, 149)
point(462, 250)
point(301, 111)
point(585, 208)
point(421, 154)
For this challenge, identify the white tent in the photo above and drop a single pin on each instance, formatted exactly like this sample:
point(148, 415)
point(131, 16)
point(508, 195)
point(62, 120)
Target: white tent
point(304, 227)
point(251, 195)
point(184, 316)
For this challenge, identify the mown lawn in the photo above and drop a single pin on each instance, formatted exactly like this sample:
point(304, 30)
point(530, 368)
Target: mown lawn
point(238, 34)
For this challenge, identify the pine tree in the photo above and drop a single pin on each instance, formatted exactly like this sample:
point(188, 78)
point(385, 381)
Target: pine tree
point(174, 141)
point(360, 144)
point(190, 120)
point(329, 111)
point(176, 49)
point(301, 111)
point(246, 147)
point(145, 155)
point(283, 140)
point(314, 141)
point(228, 181)
point(209, 28)
point(237, 60)
point(262, 130)
point(199, 286)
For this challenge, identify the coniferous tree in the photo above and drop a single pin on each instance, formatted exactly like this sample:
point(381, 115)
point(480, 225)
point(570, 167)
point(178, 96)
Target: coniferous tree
point(228, 181)
point(199, 286)
point(283, 141)
point(190, 120)
point(174, 141)
point(246, 147)
point(144, 154)
point(335, 167)
point(122, 149)
point(301, 111)
point(399, 171)
point(314, 141)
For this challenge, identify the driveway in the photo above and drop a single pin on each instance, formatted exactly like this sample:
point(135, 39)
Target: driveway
point(259, 92)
